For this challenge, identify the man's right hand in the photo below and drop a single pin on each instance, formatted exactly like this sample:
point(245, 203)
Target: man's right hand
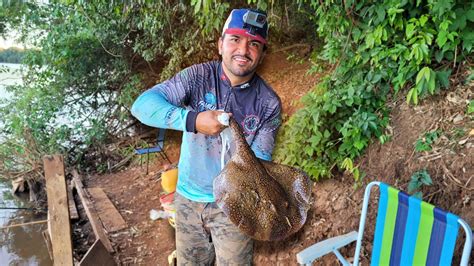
point(207, 123)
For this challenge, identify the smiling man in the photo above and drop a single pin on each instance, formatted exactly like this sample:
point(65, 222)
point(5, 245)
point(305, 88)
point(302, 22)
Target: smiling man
point(191, 101)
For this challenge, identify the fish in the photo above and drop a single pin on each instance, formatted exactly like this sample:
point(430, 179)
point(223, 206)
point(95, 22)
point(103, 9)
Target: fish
point(265, 200)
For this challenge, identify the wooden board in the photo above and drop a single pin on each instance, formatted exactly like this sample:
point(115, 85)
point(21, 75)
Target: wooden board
point(97, 255)
point(91, 213)
point(73, 214)
point(47, 240)
point(58, 210)
point(108, 214)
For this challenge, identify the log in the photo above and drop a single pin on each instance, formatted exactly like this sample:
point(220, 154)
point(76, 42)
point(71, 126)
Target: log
point(58, 210)
point(91, 213)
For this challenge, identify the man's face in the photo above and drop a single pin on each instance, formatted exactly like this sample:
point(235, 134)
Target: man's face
point(240, 54)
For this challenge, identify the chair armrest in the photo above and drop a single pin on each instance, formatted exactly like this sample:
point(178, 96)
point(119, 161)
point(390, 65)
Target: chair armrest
point(309, 254)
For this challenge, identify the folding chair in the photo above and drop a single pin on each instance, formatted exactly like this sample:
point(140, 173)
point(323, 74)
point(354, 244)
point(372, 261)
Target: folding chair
point(159, 148)
point(408, 231)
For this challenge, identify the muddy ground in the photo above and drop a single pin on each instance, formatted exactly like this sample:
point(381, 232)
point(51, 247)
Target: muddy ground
point(336, 202)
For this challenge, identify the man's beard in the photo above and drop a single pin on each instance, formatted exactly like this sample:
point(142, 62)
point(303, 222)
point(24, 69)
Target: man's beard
point(240, 72)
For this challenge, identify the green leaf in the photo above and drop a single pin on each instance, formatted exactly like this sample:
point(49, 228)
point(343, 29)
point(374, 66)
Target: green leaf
point(197, 6)
point(444, 25)
point(359, 144)
point(410, 29)
point(443, 78)
point(426, 179)
point(421, 146)
point(410, 95)
point(432, 83)
point(459, 22)
point(423, 20)
point(439, 54)
point(442, 38)
point(314, 140)
point(418, 195)
point(423, 73)
point(347, 164)
point(470, 107)
point(309, 150)
point(470, 15)
point(356, 174)
point(413, 185)
point(440, 7)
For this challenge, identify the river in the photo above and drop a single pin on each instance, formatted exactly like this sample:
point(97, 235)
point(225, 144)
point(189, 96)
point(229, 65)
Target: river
point(23, 245)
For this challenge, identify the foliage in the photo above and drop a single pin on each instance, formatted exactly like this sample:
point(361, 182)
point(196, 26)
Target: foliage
point(348, 165)
point(424, 144)
point(417, 180)
point(11, 55)
point(377, 50)
point(92, 61)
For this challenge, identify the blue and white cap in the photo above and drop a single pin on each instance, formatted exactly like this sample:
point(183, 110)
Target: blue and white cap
point(235, 24)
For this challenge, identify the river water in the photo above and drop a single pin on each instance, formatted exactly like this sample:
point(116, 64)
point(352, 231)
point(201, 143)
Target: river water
point(23, 245)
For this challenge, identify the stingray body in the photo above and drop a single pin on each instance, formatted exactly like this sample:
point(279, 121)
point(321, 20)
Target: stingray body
point(265, 200)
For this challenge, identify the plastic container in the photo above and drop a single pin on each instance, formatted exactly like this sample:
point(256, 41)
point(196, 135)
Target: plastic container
point(169, 179)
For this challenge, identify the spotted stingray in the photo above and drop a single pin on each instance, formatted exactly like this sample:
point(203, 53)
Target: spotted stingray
point(265, 200)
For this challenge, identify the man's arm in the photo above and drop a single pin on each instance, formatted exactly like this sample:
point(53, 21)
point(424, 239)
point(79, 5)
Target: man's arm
point(264, 140)
point(163, 105)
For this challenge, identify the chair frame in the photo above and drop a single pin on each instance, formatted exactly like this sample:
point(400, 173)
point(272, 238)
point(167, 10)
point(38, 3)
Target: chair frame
point(159, 148)
point(308, 255)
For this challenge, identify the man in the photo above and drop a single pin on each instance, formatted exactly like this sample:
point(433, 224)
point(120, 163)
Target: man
point(191, 101)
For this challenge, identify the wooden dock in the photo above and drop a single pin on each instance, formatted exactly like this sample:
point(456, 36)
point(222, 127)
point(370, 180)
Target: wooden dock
point(103, 216)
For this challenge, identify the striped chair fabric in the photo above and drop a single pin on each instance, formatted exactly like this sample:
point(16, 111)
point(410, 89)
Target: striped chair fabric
point(408, 231)
point(406, 226)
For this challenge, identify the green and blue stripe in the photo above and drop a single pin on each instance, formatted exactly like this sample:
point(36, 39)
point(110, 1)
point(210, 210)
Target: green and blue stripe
point(409, 231)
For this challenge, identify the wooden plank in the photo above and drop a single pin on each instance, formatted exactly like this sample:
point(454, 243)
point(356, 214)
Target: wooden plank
point(47, 240)
point(58, 210)
point(97, 255)
point(108, 214)
point(73, 214)
point(91, 213)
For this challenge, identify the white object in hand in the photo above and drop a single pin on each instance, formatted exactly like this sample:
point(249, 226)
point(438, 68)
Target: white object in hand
point(223, 119)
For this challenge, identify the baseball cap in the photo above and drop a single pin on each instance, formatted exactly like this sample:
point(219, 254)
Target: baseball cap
point(248, 22)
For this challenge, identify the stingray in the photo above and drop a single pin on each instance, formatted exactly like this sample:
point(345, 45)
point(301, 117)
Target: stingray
point(265, 200)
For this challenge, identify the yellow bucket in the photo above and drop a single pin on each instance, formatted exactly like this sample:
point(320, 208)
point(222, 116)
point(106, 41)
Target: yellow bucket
point(169, 179)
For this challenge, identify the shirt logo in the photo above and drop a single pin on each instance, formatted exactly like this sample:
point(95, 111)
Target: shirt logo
point(250, 124)
point(209, 102)
point(209, 98)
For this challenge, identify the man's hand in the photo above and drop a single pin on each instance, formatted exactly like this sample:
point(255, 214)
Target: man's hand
point(207, 123)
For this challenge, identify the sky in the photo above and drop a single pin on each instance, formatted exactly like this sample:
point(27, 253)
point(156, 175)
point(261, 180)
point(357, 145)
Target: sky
point(8, 40)
point(6, 43)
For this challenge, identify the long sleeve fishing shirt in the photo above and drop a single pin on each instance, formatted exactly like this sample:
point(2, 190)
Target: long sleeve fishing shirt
point(175, 103)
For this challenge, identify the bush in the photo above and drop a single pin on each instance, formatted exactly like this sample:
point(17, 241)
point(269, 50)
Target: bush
point(377, 48)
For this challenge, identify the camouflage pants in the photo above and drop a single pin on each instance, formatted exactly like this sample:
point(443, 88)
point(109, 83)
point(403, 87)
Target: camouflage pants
point(204, 234)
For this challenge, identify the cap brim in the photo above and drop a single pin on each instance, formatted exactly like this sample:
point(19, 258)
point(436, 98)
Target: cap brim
point(244, 32)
